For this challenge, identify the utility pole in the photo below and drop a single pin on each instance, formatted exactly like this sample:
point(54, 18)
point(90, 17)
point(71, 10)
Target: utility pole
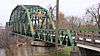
point(57, 20)
point(57, 23)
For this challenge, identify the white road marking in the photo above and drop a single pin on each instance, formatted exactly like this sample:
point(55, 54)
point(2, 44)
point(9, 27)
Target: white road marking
point(80, 38)
point(97, 41)
point(88, 40)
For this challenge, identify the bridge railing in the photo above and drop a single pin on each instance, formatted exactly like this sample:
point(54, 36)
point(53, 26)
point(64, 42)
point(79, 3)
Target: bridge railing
point(92, 39)
point(49, 35)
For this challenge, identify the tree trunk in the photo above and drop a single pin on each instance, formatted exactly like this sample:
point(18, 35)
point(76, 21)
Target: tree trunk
point(98, 23)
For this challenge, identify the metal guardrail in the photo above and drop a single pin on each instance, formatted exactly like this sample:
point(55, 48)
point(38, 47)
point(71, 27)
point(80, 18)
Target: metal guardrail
point(88, 39)
point(49, 35)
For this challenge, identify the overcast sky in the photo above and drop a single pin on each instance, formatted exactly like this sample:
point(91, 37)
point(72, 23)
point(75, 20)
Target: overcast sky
point(69, 7)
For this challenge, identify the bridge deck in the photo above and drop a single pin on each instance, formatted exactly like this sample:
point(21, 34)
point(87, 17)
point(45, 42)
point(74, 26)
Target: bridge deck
point(89, 47)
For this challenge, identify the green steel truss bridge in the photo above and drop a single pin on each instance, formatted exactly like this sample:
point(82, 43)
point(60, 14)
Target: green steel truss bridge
point(37, 22)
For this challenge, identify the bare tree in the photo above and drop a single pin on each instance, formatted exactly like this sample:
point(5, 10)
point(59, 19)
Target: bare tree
point(74, 21)
point(94, 13)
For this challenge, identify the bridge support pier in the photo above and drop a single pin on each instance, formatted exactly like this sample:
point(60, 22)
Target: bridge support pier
point(37, 49)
